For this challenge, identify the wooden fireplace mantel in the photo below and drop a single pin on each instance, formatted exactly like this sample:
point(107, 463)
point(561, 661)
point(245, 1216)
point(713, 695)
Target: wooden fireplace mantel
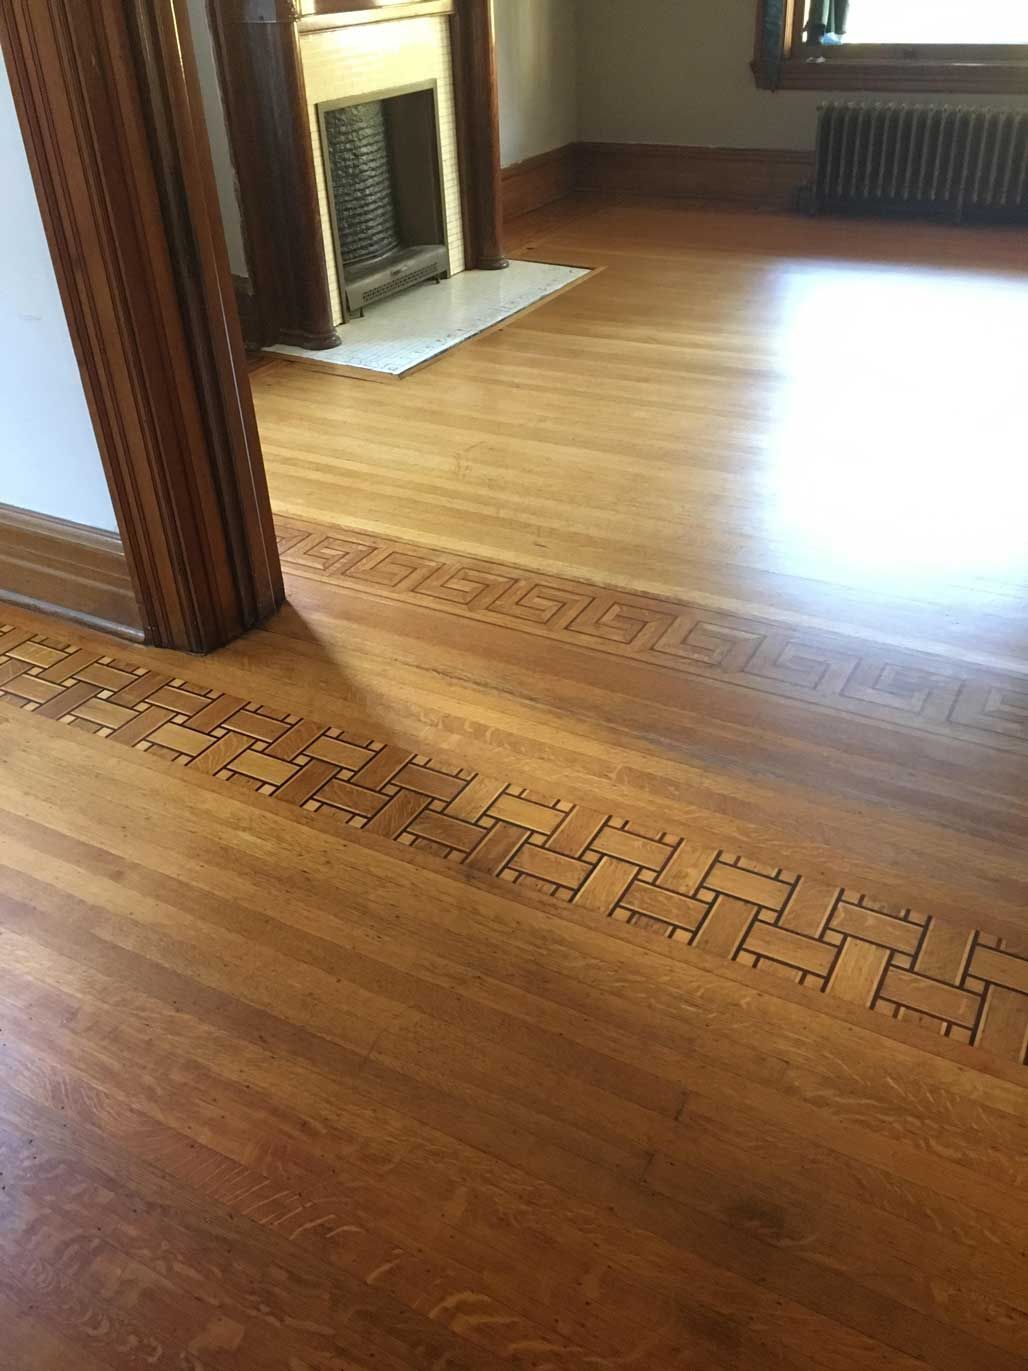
point(258, 47)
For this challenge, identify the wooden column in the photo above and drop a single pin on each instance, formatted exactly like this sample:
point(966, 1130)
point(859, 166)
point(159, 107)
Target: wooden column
point(478, 112)
point(258, 48)
point(107, 96)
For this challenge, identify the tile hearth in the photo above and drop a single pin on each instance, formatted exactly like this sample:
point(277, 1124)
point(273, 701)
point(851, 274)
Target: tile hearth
point(404, 333)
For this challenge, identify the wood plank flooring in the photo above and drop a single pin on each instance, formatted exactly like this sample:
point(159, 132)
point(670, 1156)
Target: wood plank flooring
point(325, 1043)
point(272, 1098)
point(635, 436)
point(952, 977)
point(816, 420)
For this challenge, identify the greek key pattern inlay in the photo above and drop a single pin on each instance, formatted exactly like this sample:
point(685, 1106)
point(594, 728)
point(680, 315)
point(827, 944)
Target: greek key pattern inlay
point(917, 691)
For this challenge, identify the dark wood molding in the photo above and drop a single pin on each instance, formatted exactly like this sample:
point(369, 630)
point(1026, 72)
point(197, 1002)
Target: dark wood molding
point(948, 78)
point(107, 97)
point(63, 568)
point(258, 53)
point(753, 178)
point(539, 180)
point(758, 178)
point(250, 320)
point(782, 60)
point(478, 119)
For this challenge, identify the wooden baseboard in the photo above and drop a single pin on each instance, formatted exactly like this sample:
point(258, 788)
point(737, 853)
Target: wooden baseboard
point(758, 178)
point(67, 569)
point(540, 180)
point(753, 178)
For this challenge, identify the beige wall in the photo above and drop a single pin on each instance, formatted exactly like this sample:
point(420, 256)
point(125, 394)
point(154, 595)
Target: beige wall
point(49, 459)
point(536, 55)
point(677, 71)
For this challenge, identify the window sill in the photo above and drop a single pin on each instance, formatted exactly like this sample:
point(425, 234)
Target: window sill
point(840, 73)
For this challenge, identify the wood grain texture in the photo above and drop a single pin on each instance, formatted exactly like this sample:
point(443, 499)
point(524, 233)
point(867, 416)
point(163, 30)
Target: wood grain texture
point(963, 982)
point(754, 178)
point(273, 1096)
point(283, 1087)
point(656, 430)
point(266, 106)
point(652, 440)
point(916, 692)
point(538, 181)
point(66, 568)
point(477, 98)
point(110, 109)
point(757, 178)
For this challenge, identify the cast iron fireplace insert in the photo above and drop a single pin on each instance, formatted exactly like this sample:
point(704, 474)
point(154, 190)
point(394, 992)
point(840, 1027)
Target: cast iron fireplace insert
point(383, 163)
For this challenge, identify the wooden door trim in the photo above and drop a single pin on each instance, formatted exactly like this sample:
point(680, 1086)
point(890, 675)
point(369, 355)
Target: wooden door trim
point(109, 105)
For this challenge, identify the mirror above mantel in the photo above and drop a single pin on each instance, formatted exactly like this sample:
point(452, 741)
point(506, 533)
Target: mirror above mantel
point(283, 63)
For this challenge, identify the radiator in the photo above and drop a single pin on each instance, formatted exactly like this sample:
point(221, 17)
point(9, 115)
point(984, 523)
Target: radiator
point(950, 161)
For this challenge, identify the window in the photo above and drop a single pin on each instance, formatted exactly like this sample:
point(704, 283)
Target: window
point(920, 22)
point(944, 45)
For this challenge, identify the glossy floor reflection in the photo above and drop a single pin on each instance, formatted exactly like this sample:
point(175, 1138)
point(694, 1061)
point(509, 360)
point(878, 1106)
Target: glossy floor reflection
point(816, 420)
point(899, 457)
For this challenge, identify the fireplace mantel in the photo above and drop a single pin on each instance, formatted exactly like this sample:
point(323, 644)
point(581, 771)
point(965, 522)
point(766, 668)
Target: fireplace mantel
point(259, 51)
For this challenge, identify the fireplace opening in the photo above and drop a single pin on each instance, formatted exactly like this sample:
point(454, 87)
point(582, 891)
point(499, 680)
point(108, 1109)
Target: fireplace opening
point(382, 166)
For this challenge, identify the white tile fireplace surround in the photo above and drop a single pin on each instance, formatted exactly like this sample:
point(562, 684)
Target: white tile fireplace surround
point(363, 59)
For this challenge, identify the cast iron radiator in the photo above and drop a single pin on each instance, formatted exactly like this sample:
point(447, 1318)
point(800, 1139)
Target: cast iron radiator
point(954, 162)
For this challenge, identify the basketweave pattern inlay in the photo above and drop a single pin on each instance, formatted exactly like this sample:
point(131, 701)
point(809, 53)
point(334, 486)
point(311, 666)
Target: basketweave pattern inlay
point(964, 983)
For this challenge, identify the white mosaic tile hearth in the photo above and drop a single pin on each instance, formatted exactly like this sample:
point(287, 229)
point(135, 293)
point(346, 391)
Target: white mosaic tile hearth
point(409, 330)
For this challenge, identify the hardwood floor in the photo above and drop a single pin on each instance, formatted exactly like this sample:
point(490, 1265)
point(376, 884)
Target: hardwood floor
point(963, 980)
point(814, 420)
point(587, 927)
point(274, 1099)
point(639, 435)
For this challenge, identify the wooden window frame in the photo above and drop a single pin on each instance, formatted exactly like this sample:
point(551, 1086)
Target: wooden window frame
point(784, 60)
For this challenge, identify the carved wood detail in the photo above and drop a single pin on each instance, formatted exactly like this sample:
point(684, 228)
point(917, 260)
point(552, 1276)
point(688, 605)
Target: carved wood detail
point(108, 102)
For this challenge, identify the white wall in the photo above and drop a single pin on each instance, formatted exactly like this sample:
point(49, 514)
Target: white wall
point(677, 71)
point(217, 128)
point(49, 460)
point(536, 44)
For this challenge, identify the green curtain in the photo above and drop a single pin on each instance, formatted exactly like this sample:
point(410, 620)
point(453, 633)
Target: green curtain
point(827, 16)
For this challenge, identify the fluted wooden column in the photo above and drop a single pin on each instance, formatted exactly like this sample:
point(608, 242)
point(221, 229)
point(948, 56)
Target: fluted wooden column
point(474, 39)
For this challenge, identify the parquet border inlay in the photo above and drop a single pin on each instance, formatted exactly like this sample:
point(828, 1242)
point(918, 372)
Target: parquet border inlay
point(915, 691)
point(963, 983)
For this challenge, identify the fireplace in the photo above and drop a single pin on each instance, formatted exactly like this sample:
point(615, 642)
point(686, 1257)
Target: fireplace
point(285, 64)
point(383, 173)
